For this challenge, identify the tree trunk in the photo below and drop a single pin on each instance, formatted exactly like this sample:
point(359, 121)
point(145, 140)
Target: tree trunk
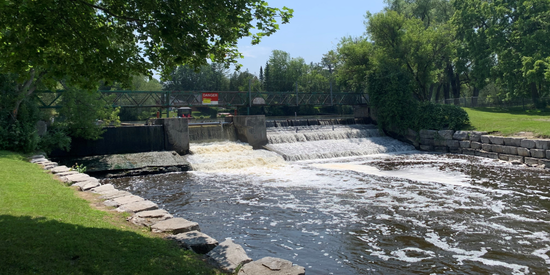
point(438, 92)
point(446, 92)
point(475, 96)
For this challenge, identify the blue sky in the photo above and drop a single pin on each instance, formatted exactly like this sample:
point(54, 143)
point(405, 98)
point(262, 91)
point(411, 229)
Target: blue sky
point(316, 28)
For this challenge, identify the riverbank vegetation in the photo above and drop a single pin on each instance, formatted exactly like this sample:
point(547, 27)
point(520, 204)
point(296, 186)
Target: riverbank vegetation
point(48, 229)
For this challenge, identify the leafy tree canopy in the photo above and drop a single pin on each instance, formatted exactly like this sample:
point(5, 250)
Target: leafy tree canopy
point(82, 41)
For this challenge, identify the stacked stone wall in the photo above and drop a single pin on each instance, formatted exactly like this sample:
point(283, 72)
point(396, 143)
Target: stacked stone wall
point(532, 152)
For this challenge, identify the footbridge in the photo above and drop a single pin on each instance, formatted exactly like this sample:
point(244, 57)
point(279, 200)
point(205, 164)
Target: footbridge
point(175, 99)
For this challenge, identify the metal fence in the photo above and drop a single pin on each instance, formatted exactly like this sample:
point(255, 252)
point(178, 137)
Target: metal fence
point(472, 102)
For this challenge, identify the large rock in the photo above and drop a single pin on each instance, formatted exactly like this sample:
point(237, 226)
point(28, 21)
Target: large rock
point(497, 148)
point(39, 160)
point(148, 218)
point(508, 141)
point(194, 240)
point(465, 144)
point(64, 174)
point(453, 143)
point(548, 154)
point(476, 136)
point(528, 143)
point(485, 139)
point(427, 134)
point(461, 135)
point(114, 194)
point(271, 266)
point(88, 184)
point(532, 161)
point(446, 134)
point(116, 202)
point(486, 147)
point(228, 256)
point(524, 152)
point(542, 144)
point(426, 148)
point(475, 145)
point(138, 207)
point(470, 152)
point(60, 169)
point(75, 178)
point(427, 141)
point(510, 150)
point(106, 188)
point(538, 153)
point(496, 140)
point(175, 226)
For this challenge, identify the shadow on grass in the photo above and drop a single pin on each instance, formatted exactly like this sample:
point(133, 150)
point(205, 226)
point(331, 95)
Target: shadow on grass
point(513, 111)
point(42, 246)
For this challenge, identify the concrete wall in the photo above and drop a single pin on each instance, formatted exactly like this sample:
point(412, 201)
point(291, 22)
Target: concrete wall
point(118, 140)
point(533, 152)
point(251, 129)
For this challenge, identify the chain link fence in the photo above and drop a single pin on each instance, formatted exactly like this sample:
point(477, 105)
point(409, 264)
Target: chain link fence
point(472, 102)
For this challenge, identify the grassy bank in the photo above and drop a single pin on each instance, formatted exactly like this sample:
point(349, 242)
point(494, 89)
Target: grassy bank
point(46, 228)
point(510, 121)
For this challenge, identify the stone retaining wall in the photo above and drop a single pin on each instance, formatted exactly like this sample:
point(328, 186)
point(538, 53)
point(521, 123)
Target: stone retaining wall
point(532, 152)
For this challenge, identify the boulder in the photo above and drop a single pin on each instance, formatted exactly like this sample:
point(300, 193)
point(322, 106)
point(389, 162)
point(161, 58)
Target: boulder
point(88, 184)
point(476, 136)
point(532, 161)
point(470, 152)
point(175, 226)
point(486, 147)
point(427, 141)
point(497, 148)
point(441, 149)
point(139, 206)
point(453, 143)
point(485, 139)
point(528, 143)
point(75, 178)
point(196, 241)
point(461, 135)
point(271, 266)
point(228, 256)
point(515, 159)
point(64, 174)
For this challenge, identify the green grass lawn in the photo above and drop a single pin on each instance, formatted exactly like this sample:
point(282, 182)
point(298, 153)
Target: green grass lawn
point(510, 121)
point(47, 228)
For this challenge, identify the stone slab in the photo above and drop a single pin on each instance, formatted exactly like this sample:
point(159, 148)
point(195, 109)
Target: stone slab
point(516, 159)
point(427, 134)
point(470, 152)
point(139, 206)
point(103, 189)
point(446, 134)
point(87, 185)
point(528, 143)
point(510, 150)
point(453, 143)
point(476, 136)
point(486, 147)
point(61, 169)
point(441, 149)
point(64, 174)
point(465, 144)
point(475, 145)
point(496, 140)
point(426, 148)
point(524, 152)
point(427, 141)
point(271, 266)
point(115, 194)
point(538, 153)
point(542, 144)
point(39, 160)
point(497, 148)
point(548, 154)
point(197, 241)
point(485, 139)
point(228, 256)
point(532, 161)
point(461, 135)
point(175, 226)
point(116, 202)
point(148, 218)
point(455, 150)
point(509, 141)
point(75, 178)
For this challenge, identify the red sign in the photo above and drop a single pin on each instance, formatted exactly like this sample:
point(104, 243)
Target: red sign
point(209, 98)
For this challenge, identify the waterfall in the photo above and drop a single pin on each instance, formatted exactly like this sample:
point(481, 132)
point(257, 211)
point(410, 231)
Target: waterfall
point(209, 133)
point(328, 140)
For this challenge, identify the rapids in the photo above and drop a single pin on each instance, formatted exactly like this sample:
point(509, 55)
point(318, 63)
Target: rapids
point(390, 210)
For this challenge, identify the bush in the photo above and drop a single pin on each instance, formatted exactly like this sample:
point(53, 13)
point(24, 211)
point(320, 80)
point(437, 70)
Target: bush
point(437, 117)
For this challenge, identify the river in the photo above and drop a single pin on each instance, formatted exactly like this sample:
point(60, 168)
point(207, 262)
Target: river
point(344, 200)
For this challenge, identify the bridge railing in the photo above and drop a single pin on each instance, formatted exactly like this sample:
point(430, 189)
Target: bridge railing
point(167, 99)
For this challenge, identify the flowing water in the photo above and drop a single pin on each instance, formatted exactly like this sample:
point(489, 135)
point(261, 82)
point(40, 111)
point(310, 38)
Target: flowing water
point(390, 210)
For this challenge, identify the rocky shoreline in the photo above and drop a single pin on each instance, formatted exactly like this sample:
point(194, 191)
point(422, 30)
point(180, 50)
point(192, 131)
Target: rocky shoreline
point(227, 255)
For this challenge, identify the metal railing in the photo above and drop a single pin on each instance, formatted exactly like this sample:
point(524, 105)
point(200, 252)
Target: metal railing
point(169, 99)
point(472, 102)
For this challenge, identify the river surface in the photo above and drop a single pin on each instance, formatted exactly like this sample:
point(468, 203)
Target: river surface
point(390, 210)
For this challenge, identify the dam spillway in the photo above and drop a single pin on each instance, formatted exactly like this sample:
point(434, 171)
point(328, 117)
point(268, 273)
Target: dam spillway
point(388, 210)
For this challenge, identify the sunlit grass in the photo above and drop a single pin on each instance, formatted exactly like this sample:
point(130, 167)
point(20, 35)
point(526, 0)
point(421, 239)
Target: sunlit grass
point(46, 228)
point(510, 121)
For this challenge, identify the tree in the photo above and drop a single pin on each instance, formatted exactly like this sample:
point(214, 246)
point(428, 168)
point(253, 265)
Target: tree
point(211, 77)
point(355, 60)
point(81, 42)
point(512, 40)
